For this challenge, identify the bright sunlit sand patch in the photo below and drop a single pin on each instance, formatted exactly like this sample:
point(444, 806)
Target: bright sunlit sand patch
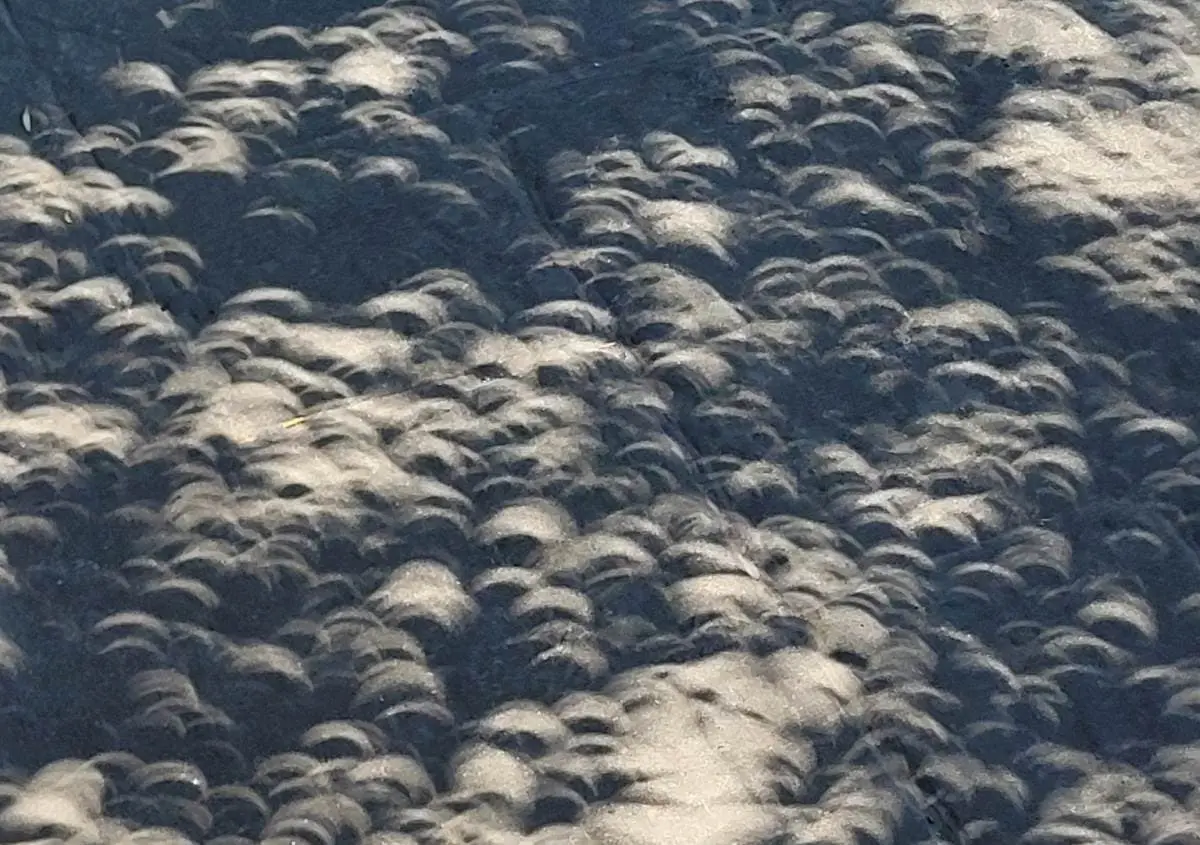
point(1145, 156)
point(695, 224)
point(700, 739)
point(1052, 29)
point(376, 68)
point(1085, 156)
point(246, 412)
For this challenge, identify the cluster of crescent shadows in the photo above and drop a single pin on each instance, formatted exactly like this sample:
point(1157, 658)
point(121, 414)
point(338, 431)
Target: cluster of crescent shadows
point(534, 421)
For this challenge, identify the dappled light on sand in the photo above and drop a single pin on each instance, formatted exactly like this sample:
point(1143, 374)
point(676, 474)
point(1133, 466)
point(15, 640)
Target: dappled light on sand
point(530, 422)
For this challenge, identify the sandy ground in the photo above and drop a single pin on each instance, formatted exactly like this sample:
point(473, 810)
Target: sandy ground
point(667, 422)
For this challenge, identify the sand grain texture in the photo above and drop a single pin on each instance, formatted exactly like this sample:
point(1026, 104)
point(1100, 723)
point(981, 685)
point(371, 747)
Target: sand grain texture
point(541, 421)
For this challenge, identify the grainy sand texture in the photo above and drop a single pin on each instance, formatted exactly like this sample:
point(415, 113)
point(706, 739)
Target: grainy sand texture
point(658, 422)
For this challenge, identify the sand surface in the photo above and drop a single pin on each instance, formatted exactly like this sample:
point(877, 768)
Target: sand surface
point(713, 422)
